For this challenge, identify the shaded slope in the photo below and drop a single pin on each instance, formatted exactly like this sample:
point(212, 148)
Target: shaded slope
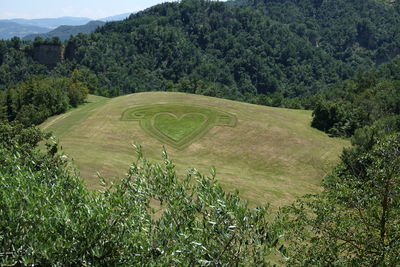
point(241, 50)
point(361, 33)
point(205, 47)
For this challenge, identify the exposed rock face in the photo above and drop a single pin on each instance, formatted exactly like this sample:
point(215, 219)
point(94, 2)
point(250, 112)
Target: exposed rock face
point(49, 54)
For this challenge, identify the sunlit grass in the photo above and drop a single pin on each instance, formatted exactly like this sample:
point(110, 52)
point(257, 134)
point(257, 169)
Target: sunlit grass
point(271, 154)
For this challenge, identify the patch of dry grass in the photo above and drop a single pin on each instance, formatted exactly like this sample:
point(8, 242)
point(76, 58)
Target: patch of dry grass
point(271, 155)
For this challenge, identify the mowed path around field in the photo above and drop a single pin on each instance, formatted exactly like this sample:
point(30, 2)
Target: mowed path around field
point(271, 155)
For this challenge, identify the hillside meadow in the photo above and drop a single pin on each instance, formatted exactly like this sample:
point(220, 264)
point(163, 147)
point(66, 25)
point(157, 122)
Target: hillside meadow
point(268, 154)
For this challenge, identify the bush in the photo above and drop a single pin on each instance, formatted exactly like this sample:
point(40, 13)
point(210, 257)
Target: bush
point(152, 217)
point(355, 221)
point(37, 98)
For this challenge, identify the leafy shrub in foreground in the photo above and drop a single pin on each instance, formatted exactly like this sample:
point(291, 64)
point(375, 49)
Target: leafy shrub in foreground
point(355, 221)
point(48, 217)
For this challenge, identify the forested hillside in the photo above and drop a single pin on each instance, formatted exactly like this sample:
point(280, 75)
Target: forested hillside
point(360, 33)
point(288, 53)
point(241, 50)
point(368, 104)
point(267, 52)
point(15, 64)
point(337, 57)
point(207, 48)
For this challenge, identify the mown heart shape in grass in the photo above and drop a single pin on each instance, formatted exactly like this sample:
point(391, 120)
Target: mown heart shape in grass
point(177, 128)
point(178, 125)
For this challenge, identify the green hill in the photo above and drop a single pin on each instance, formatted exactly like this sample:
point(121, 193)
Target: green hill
point(271, 52)
point(204, 47)
point(268, 154)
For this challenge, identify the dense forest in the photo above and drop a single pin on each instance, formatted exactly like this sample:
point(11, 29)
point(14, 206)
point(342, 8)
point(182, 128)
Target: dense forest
point(250, 51)
point(367, 104)
point(329, 56)
point(34, 100)
point(338, 58)
point(277, 53)
point(206, 48)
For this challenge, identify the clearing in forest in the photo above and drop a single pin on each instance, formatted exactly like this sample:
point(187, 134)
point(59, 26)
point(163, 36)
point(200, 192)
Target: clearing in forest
point(268, 154)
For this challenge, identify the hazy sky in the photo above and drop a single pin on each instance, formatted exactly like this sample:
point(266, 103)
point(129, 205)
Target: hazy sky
point(76, 8)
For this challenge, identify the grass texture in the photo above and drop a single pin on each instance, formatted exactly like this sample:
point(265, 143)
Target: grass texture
point(178, 125)
point(268, 154)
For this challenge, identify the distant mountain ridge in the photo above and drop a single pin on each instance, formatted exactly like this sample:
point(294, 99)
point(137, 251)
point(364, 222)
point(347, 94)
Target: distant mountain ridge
point(62, 27)
point(64, 32)
point(9, 29)
point(117, 17)
point(53, 23)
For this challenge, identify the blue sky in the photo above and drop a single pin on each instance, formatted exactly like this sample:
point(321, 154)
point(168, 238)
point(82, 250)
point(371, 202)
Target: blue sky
point(76, 8)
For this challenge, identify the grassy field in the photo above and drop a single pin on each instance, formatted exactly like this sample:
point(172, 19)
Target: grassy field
point(178, 125)
point(268, 154)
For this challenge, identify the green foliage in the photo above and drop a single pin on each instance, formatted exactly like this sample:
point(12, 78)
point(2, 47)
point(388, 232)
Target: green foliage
point(338, 119)
point(204, 47)
point(151, 217)
point(234, 50)
point(355, 221)
point(78, 88)
point(15, 65)
point(34, 100)
point(270, 52)
point(16, 136)
point(38, 41)
point(87, 79)
point(360, 33)
point(369, 102)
